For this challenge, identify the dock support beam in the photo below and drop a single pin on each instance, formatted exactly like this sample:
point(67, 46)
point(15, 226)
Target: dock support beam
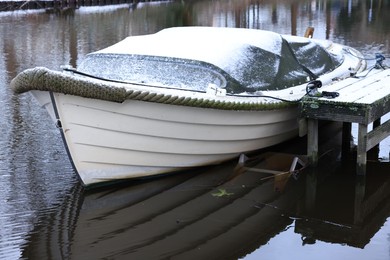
point(362, 150)
point(366, 141)
point(312, 144)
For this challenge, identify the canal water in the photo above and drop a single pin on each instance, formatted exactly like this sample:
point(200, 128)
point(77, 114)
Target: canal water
point(222, 212)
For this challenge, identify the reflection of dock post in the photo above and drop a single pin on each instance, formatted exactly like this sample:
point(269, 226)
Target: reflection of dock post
point(360, 190)
point(312, 141)
point(312, 153)
point(311, 189)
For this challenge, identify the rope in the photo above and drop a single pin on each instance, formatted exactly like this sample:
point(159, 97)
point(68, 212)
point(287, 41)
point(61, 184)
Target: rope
point(46, 80)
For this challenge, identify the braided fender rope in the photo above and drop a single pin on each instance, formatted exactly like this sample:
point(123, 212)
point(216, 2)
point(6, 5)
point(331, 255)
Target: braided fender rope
point(43, 79)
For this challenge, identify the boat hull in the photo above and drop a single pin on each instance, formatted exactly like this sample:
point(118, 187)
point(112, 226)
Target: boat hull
point(109, 141)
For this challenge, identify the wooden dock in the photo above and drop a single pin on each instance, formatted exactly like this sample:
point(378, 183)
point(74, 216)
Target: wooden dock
point(61, 4)
point(363, 99)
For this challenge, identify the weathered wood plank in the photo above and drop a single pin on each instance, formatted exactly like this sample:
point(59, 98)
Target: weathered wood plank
point(361, 90)
point(378, 90)
point(371, 93)
point(335, 111)
point(378, 109)
point(355, 84)
point(379, 133)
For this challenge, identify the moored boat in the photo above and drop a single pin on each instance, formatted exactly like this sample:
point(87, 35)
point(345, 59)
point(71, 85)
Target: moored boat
point(183, 98)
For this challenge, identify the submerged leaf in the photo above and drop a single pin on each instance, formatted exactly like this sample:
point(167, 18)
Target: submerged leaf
point(221, 193)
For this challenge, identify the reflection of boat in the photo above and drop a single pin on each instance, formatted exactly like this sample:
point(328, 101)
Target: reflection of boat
point(183, 97)
point(215, 214)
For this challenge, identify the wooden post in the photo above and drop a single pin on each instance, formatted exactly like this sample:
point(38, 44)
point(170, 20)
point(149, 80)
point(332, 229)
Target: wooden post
point(309, 32)
point(362, 150)
point(312, 141)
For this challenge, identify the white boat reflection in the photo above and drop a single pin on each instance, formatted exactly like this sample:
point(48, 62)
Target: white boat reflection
point(219, 212)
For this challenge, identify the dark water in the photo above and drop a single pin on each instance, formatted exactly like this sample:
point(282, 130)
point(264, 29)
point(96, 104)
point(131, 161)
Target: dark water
point(216, 213)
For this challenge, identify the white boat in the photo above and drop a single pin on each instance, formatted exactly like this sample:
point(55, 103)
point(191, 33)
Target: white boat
point(183, 97)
